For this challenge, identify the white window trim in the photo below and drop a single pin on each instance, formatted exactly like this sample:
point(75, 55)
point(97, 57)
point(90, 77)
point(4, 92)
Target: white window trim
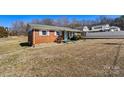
point(48, 33)
point(55, 33)
point(41, 34)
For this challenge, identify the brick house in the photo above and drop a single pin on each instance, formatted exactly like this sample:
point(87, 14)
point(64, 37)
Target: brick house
point(45, 34)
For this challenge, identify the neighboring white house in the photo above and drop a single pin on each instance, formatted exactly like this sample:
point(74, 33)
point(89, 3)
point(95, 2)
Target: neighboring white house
point(101, 28)
point(105, 27)
point(114, 28)
point(85, 29)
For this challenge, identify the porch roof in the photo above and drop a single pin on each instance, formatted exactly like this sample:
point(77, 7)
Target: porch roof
point(55, 28)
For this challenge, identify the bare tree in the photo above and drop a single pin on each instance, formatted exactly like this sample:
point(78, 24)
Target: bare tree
point(63, 21)
point(57, 22)
point(19, 27)
point(36, 21)
point(75, 23)
point(119, 22)
point(105, 20)
point(47, 21)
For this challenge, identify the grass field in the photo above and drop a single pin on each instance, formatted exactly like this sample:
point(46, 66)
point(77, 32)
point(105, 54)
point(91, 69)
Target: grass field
point(96, 57)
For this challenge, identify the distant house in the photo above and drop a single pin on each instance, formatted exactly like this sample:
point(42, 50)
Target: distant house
point(101, 28)
point(114, 28)
point(85, 29)
point(105, 27)
point(45, 34)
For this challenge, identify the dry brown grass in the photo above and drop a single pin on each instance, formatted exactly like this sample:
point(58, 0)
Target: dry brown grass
point(82, 58)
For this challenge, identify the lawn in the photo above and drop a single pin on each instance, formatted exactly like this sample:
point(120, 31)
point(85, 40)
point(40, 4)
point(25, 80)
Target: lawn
point(92, 57)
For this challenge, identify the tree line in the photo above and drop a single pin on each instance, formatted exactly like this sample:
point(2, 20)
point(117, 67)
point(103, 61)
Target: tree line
point(20, 27)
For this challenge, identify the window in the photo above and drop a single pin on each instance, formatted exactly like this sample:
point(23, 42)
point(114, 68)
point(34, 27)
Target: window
point(57, 33)
point(43, 33)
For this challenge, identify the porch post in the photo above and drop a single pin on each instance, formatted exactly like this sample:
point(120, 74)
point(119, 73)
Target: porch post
point(65, 36)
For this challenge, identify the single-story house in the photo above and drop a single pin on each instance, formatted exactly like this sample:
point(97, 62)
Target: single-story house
point(44, 33)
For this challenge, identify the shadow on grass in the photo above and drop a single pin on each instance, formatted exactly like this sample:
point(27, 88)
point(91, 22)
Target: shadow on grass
point(113, 43)
point(24, 44)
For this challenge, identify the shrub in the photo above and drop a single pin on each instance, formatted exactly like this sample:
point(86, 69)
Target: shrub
point(3, 32)
point(76, 37)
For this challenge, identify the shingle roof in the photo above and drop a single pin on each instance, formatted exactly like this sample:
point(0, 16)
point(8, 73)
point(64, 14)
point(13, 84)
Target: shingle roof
point(55, 28)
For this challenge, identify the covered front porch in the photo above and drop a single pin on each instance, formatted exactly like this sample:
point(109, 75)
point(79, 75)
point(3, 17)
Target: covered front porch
point(66, 36)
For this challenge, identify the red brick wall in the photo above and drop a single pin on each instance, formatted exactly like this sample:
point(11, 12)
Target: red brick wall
point(45, 39)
